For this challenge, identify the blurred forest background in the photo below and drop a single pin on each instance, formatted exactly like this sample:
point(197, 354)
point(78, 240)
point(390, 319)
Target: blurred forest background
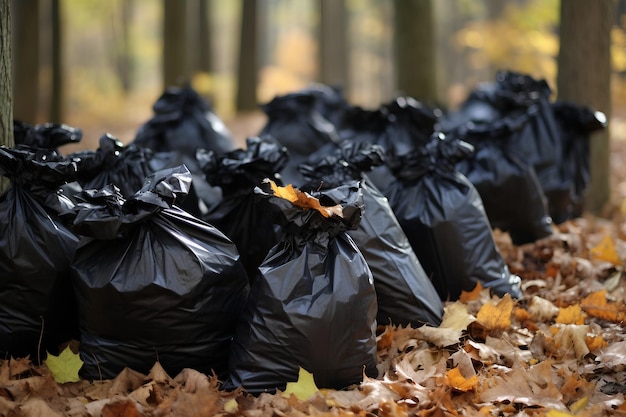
point(100, 65)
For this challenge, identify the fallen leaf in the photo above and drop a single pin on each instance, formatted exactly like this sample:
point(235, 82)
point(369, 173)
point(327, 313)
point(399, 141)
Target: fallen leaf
point(471, 295)
point(496, 316)
point(570, 315)
point(605, 251)
point(542, 310)
point(304, 200)
point(596, 305)
point(456, 380)
point(303, 388)
point(572, 339)
point(64, 368)
point(455, 321)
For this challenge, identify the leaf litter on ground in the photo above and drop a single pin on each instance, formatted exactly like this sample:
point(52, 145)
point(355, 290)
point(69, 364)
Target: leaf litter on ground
point(559, 351)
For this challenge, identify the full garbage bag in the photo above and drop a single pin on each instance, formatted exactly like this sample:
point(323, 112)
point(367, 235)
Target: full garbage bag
point(444, 218)
point(313, 305)
point(295, 121)
point(184, 122)
point(405, 294)
point(241, 215)
point(153, 283)
point(575, 124)
point(506, 181)
point(36, 249)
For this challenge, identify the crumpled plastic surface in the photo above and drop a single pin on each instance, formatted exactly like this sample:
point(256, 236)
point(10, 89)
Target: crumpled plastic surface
point(153, 282)
point(46, 136)
point(405, 294)
point(313, 305)
point(296, 123)
point(575, 124)
point(443, 217)
point(36, 249)
point(241, 214)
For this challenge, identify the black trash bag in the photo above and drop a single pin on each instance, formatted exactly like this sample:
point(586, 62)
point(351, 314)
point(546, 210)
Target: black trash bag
point(405, 294)
point(45, 136)
point(296, 123)
point(153, 282)
point(184, 122)
point(575, 125)
point(518, 96)
point(36, 249)
point(126, 167)
point(242, 215)
point(443, 217)
point(507, 183)
point(330, 102)
point(313, 304)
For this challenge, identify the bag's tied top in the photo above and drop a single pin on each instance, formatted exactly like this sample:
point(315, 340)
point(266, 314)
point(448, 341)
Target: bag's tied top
point(34, 168)
point(46, 136)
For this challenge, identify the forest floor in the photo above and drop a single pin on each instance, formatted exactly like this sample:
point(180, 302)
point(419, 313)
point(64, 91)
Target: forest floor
point(559, 351)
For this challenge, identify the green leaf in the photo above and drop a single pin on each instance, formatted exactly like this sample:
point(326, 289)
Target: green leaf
point(303, 388)
point(64, 368)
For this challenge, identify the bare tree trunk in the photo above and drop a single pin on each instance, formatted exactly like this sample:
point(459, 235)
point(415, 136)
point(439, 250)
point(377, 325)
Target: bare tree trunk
point(333, 43)
point(584, 77)
point(415, 56)
point(247, 71)
point(25, 49)
point(122, 49)
point(204, 51)
point(56, 97)
point(6, 104)
point(175, 64)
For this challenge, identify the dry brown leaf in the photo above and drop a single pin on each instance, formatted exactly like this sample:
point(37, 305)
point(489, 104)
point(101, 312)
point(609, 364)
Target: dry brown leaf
point(571, 339)
point(36, 407)
point(542, 310)
point(454, 323)
point(124, 408)
point(605, 251)
point(596, 305)
point(467, 296)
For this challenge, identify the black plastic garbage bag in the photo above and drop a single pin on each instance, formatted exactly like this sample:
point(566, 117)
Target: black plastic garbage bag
point(575, 125)
point(241, 215)
point(45, 136)
point(126, 167)
point(443, 217)
point(405, 294)
point(36, 248)
point(153, 282)
point(184, 122)
point(330, 102)
point(296, 123)
point(313, 305)
point(507, 183)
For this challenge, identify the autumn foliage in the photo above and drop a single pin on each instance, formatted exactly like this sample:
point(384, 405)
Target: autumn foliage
point(558, 351)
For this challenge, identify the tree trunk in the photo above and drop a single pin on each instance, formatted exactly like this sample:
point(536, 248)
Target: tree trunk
point(175, 65)
point(56, 96)
point(333, 43)
point(6, 104)
point(122, 53)
point(204, 51)
point(247, 71)
point(25, 50)
point(584, 77)
point(415, 56)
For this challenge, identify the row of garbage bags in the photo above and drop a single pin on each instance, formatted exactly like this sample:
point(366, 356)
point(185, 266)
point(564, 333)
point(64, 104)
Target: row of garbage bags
point(253, 262)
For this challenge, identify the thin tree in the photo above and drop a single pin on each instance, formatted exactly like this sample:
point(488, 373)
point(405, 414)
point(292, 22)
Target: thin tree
point(584, 77)
point(175, 64)
point(6, 104)
point(414, 47)
point(247, 70)
point(333, 43)
point(56, 96)
point(25, 59)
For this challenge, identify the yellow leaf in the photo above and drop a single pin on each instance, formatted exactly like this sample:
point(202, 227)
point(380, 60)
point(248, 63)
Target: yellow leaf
point(496, 316)
point(305, 200)
point(459, 382)
point(595, 342)
point(605, 251)
point(558, 413)
point(303, 388)
point(571, 315)
point(455, 320)
point(596, 305)
point(64, 368)
point(579, 405)
point(231, 406)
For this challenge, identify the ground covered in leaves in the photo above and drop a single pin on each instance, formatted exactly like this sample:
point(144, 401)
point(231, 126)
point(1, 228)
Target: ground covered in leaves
point(558, 351)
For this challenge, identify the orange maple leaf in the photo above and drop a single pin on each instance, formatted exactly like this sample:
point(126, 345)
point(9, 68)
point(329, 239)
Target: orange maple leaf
point(570, 315)
point(596, 305)
point(304, 200)
point(496, 316)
